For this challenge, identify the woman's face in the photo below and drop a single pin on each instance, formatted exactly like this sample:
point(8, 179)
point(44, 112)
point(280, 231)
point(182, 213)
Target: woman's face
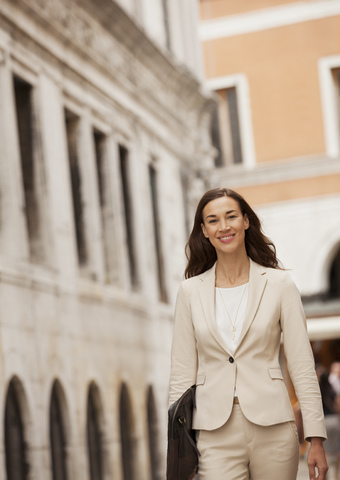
point(224, 225)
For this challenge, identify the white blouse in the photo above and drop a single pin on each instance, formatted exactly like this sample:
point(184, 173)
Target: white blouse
point(231, 304)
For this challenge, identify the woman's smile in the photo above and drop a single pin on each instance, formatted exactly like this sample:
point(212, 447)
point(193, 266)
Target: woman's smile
point(226, 238)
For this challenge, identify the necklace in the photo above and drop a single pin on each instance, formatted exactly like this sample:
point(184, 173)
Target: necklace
point(233, 324)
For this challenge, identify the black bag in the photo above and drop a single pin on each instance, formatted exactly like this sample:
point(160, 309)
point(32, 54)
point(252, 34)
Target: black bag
point(182, 455)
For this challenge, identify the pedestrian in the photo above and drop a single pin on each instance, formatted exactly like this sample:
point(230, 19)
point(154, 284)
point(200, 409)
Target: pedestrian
point(334, 377)
point(231, 311)
point(329, 387)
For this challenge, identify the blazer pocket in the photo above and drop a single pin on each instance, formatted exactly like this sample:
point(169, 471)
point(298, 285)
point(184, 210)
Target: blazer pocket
point(275, 373)
point(200, 379)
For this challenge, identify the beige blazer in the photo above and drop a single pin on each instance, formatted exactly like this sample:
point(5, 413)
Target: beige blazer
point(199, 355)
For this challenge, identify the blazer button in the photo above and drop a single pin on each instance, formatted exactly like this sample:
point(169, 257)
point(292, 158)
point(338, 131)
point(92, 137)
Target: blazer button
point(231, 360)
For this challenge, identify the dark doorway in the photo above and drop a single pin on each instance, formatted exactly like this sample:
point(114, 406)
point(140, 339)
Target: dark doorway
point(16, 465)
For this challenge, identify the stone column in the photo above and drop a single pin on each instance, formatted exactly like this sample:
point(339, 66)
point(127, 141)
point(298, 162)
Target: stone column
point(58, 177)
point(13, 231)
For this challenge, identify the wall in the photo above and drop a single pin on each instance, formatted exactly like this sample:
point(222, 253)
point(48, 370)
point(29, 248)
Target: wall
point(77, 322)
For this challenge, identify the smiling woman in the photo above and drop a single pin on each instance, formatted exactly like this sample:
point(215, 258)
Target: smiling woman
point(224, 226)
point(226, 206)
point(231, 313)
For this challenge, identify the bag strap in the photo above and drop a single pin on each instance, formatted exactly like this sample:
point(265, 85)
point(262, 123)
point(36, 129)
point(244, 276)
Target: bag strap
point(193, 396)
point(182, 422)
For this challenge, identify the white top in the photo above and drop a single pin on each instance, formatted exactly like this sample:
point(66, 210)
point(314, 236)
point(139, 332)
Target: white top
point(235, 303)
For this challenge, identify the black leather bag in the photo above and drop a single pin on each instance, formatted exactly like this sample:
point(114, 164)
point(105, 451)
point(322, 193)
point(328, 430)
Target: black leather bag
point(182, 455)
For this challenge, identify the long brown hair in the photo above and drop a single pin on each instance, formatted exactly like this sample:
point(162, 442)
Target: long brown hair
point(201, 255)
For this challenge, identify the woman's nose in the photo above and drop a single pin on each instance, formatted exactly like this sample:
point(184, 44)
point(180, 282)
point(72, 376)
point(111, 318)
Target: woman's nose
point(224, 225)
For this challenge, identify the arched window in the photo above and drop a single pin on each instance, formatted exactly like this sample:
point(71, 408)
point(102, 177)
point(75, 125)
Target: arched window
point(126, 435)
point(57, 435)
point(16, 466)
point(94, 436)
point(334, 277)
point(156, 467)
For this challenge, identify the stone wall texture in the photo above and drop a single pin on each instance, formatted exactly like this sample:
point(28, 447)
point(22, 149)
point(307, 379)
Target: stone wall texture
point(103, 126)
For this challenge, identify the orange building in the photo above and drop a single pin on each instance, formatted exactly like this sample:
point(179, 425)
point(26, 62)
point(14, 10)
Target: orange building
point(275, 68)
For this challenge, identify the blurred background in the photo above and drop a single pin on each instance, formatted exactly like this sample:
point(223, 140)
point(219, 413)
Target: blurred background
point(115, 117)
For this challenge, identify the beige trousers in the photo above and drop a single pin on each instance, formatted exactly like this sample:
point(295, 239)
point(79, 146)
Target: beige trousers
point(241, 450)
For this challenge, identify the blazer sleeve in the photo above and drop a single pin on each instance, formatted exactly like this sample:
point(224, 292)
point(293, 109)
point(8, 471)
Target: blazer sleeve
point(183, 350)
point(300, 360)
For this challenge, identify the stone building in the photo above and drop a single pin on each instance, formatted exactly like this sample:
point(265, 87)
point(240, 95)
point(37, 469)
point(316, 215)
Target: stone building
point(274, 66)
point(103, 124)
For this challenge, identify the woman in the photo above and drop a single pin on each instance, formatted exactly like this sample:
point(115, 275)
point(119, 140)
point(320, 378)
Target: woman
point(230, 313)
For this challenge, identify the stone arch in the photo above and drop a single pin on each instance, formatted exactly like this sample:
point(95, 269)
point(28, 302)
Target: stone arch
point(328, 260)
point(94, 432)
point(16, 417)
point(127, 434)
point(334, 273)
point(153, 436)
point(58, 423)
point(320, 262)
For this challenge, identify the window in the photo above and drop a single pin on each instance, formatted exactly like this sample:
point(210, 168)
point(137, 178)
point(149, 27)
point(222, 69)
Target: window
point(33, 174)
point(329, 73)
point(72, 135)
point(126, 435)
point(186, 200)
point(232, 129)
point(57, 436)
point(100, 145)
point(94, 437)
point(157, 233)
point(229, 134)
point(336, 78)
point(125, 181)
point(166, 24)
point(16, 466)
point(156, 466)
point(215, 136)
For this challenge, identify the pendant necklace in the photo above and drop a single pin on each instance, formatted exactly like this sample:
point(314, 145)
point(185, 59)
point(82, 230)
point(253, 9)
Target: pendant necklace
point(233, 324)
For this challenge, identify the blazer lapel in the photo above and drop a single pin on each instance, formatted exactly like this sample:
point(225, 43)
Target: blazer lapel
point(207, 297)
point(257, 284)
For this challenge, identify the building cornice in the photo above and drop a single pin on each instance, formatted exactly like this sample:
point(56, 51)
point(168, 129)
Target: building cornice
point(274, 17)
point(323, 328)
point(102, 32)
point(43, 280)
point(120, 25)
point(278, 171)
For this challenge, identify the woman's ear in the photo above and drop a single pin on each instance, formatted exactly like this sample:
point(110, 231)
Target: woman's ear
point(204, 230)
point(246, 221)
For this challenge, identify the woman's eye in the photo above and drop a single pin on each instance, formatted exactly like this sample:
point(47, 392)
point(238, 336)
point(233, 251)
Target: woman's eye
point(231, 217)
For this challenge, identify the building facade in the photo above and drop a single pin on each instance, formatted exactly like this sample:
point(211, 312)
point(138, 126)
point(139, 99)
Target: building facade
point(103, 121)
point(274, 66)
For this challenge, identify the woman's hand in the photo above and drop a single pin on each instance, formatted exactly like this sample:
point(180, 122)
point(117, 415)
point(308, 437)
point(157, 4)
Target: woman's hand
point(317, 458)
